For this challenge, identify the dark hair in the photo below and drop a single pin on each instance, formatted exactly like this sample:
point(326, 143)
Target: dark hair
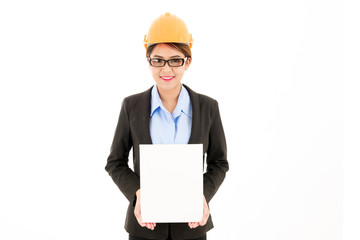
point(184, 48)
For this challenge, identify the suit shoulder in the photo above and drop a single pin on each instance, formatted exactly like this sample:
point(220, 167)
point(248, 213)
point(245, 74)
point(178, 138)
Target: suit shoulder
point(137, 98)
point(204, 99)
point(208, 104)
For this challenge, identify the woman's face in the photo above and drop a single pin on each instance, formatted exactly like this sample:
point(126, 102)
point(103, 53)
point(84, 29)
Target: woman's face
point(166, 77)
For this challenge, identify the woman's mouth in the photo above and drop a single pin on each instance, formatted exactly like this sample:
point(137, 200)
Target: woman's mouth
point(167, 78)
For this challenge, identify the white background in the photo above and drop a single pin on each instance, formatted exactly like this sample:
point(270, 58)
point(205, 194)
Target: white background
point(282, 71)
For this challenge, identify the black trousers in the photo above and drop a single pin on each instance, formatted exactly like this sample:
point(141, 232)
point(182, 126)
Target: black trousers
point(136, 238)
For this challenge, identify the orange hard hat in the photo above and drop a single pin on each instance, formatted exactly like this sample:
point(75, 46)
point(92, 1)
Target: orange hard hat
point(168, 28)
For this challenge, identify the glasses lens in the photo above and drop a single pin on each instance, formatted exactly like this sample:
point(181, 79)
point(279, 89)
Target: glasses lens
point(157, 62)
point(176, 62)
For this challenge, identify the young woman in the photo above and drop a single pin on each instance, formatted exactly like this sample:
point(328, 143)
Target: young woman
point(167, 113)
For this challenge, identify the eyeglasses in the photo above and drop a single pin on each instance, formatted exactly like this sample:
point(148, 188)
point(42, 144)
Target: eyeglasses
point(175, 62)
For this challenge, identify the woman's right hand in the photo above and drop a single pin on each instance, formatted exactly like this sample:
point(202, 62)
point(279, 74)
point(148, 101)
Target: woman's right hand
point(137, 213)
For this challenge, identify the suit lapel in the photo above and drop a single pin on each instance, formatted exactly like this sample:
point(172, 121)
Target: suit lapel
point(195, 126)
point(144, 116)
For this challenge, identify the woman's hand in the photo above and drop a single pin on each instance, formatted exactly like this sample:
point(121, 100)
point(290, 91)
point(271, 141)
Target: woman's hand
point(137, 213)
point(206, 214)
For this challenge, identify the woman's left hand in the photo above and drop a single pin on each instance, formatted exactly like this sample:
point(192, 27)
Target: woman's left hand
point(206, 214)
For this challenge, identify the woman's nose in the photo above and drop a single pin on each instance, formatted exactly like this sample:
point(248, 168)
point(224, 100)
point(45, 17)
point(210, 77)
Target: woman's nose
point(167, 68)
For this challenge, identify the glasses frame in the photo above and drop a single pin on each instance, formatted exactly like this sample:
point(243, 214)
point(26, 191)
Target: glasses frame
point(168, 61)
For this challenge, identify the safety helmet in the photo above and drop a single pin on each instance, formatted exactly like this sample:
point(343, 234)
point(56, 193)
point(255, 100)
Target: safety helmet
point(168, 28)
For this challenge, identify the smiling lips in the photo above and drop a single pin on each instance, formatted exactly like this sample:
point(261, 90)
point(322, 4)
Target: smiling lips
point(167, 78)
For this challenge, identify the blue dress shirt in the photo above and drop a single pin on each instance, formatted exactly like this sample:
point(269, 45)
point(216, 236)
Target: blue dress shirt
point(166, 128)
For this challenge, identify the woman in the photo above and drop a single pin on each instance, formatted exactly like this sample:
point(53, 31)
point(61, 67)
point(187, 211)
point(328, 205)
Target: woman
point(167, 113)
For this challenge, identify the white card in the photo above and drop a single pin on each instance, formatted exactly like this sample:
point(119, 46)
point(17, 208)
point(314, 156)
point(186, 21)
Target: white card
point(171, 182)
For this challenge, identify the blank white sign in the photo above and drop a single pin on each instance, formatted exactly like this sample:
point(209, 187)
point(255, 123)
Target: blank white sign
point(171, 182)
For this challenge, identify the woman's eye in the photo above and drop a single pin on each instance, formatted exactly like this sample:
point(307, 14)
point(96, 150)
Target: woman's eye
point(157, 62)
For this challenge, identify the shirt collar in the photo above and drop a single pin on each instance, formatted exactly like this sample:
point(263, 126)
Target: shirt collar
point(183, 104)
point(155, 100)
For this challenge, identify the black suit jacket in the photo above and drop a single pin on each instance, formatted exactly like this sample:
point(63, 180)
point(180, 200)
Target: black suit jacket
point(133, 129)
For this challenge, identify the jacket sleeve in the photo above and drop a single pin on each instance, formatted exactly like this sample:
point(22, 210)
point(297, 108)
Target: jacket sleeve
point(216, 160)
point(117, 162)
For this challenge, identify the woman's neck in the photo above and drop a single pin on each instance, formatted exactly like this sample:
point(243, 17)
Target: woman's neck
point(169, 98)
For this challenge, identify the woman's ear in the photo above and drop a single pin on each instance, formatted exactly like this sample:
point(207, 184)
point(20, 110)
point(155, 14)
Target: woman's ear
point(187, 63)
point(147, 60)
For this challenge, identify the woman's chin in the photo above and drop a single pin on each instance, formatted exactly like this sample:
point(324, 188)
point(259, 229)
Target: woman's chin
point(168, 85)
